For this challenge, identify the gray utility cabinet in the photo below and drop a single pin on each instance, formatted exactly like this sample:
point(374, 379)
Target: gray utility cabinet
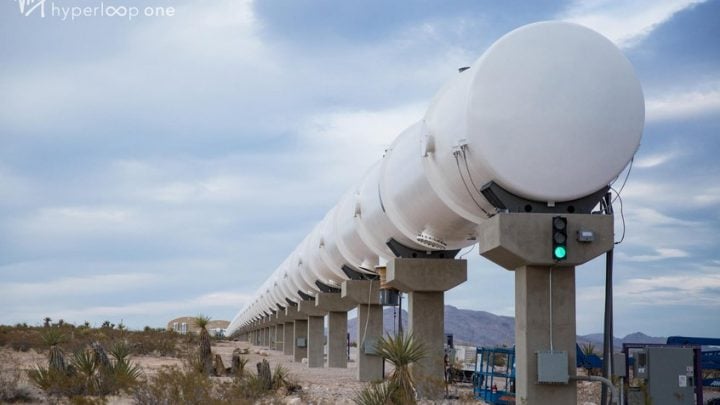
point(665, 377)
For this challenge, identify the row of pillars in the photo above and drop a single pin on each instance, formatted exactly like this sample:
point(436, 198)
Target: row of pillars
point(544, 306)
point(298, 331)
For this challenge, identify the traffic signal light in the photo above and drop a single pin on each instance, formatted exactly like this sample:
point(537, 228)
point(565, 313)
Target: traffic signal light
point(559, 238)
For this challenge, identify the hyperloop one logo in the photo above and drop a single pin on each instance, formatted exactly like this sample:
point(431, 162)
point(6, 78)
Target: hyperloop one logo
point(28, 7)
point(64, 12)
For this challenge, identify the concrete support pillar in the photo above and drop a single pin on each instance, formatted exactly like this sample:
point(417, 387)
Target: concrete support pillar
point(266, 337)
point(337, 339)
point(533, 315)
point(426, 281)
point(426, 322)
point(288, 340)
point(315, 334)
point(337, 308)
point(316, 341)
point(279, 336)
point(300, 332)
point(370, 325)
point(370, 329)
point(522, 242)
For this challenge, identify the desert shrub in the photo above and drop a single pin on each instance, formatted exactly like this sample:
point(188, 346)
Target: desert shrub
point(204, 349)
point(21, 338)
point(401, 350)
point(380, 393)
point(238, 363)
point(89, 371)
point(154, 341)
point(170, 385)
point(149, 341)
point(173, 385)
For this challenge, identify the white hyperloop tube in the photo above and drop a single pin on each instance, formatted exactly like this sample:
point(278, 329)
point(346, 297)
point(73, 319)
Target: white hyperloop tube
point(351, 246)
point(552, 112)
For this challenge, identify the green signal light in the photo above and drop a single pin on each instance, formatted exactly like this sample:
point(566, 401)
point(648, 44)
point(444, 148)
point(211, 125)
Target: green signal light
point(560, 252)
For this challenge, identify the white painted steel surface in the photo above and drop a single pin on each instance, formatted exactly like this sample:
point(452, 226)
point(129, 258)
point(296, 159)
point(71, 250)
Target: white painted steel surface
point(552, 112)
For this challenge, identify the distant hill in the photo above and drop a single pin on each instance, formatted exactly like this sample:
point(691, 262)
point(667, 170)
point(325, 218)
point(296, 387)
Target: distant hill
point(637, 337)
point(480, 328)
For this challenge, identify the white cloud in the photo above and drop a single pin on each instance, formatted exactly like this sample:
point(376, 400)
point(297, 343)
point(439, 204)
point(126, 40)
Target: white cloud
point(654, 217)
point(74, 286)
point(148, 312)
point(688, 289)
point(684, 105)
point(360, 137)
point(646, 162)
point(660, 254)
point(626, 23)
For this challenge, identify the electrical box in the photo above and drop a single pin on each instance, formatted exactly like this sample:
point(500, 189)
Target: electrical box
point(300, 342)
point(618, 365)
point(370, 346)
point(666, 375)
point(552, 367)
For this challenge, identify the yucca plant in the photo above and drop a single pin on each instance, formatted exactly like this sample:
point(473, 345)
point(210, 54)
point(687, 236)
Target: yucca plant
point(124, 374)
point(205, 353)
point(86, 369)
point(376, 394)
point(56, 359)
point(401, 351)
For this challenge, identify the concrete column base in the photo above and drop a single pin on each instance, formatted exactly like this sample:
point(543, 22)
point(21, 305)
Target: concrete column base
point(532, 331)
point(370, 329)
point(337, 339)
point(316, 341)
point(426, 321)
point(300, 331)
point(288, 338)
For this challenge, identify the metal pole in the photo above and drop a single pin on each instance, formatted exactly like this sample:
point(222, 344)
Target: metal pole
point(608, 323)
point(400, 326)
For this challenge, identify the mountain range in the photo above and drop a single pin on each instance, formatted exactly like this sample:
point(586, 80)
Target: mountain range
point(481, 328)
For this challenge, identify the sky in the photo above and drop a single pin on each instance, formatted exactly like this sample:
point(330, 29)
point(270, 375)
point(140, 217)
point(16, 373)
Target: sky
point(162, 158)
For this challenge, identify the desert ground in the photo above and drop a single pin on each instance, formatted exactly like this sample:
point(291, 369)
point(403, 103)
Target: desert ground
point(318, 385)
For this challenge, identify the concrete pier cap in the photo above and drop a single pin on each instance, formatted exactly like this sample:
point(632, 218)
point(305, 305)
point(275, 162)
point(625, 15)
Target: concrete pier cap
point(425, 274)
point(513, 240)
point(365, 292)
point(333, 302)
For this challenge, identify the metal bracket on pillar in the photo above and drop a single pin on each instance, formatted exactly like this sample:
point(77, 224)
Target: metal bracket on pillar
point(291, 302)
point(306, 297)
point(326, 288)
point(400, 250)
point(356, 275)
point(506, 201)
